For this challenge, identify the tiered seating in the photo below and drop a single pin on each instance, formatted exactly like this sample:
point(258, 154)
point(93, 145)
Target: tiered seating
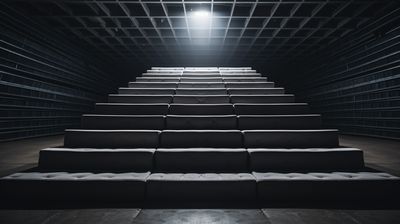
point(199, 137)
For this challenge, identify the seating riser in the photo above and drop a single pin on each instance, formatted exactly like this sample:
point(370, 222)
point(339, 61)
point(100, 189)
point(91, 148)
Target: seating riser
point(139, 109)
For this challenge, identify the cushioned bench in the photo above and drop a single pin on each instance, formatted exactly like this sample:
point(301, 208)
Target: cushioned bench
point(72, 187)
point(256, 91)
point(201, 79)
point(324, 138)
point(95, 160)
point(201, 122)
point(270, 108)
point(201, 85)
point(202, 91)
point(245, 79)
point(201, 160)
point(81, 138)
point(283, 98)
point(169, 75)
point(235, 75)
point(132, 109)
point(201, 99)
point(340, 187)
point(129, 98)
point(205, 189)
point(146, 91)
point(311, 159)
point(249, 84)
point(153, 84)
point(97, 121)
point(201, 138)
point(201, 109)
point(302, 121)
point(205, 75)
point(157, 79)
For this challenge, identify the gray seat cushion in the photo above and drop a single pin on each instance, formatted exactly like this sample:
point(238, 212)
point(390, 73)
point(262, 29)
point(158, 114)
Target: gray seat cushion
point(327, 187)
point(153, 84)
point(201, 160)
point(84, 187)
point(132, 122)
point(201, 122)
point(81, 138)
point(144, 91)
point(270, 108)
point(201, 85)
point(324, 138)
point(305, 159)
point(201, 91)
point(201, 79)
point(133, 160)
point(131, 98)
point(208, 187)
point(132, 109)
point(256, 91)
point(245, 79)
point(157, 79)
point(301, 121)
point(249, 84)
point(282, 98)
point(201, 99)
point(201, 138)
point(201, 109)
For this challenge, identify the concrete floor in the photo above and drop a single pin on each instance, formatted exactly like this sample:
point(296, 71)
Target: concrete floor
point(20, 155)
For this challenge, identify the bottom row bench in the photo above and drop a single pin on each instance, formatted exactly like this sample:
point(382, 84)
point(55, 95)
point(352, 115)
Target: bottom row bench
point(158, 189)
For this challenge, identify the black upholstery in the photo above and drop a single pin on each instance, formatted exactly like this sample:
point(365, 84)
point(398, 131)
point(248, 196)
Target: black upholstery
point(96, 121)
point(201, 109)
point(132, 109)
point(201, 99)
point(208, 91)
point(201, 122)
point(201, 138)
point(89, 159)
point(145, 91)
point(255, 91)
point(201, 85)
point(81, 138)
point(304, 121)
point(249, 84)
point(291, 138)
point(201, 160)
point(283, 98)
point(153, 84)
point(270, 108)
point(295, 160)
point(129, 98)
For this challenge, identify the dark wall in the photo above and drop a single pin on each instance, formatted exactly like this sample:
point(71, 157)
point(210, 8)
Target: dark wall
point(46, 81)
point(354, 82)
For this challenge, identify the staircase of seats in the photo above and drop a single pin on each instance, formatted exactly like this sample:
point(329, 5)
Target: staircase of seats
point(201, 137)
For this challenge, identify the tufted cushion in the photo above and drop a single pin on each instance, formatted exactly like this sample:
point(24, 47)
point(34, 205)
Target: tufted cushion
point(201, 138)
point(153, 84)
point(324, 187)
point(156, 91)
point(201, 99)
point(34, 187)
point(201, 109)
point(81, 138)
point(305, 159)
point(131, 109)
point(132, 98)
point(249, 84)
point(323, 138)
point(194, 188)
point(280, 98)
point(201, 160)
point(302, 121)
point(136, 160)
point(201, 122)
point(132, 122)
point(208, 91)
point(270, 108)
point(201, 85)
point(256, 91)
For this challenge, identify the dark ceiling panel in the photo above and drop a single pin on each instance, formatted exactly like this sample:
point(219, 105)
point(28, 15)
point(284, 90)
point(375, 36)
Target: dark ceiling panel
point(235, 30)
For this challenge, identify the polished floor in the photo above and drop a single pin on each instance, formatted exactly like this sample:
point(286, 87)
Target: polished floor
point(379, 154)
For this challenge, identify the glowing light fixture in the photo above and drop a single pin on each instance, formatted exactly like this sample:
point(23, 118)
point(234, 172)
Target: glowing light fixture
point(201, 15)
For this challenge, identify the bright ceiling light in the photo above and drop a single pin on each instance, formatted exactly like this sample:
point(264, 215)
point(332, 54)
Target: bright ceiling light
point(201, 15)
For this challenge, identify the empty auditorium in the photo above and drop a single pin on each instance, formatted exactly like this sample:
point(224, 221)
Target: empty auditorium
point(194, 111)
